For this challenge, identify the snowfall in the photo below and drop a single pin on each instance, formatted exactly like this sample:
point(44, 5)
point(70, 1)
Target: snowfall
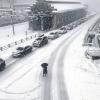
point(71, 76)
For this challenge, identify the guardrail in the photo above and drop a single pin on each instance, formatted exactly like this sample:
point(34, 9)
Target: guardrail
point(16, 43)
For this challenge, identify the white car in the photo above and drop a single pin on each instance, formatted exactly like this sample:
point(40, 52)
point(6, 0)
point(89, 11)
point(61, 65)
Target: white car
point(93, 53)
point(53, 35)
point(63, 29)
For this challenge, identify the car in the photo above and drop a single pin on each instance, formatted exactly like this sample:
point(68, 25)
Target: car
point(60, 32)
point(40, 41)
point(69, 27)
point(2, 64)
point(63, 29)
point(22, 51)
point(93, 53)
point(53, 35)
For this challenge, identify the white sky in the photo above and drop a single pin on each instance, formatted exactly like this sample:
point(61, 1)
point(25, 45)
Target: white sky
point(93, 4)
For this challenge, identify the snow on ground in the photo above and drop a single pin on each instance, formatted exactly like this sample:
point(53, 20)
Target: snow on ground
point(23, 80)
point(12, 81)
point(57, 81)
point(21, 31)
point(19, 28)
point(82, 77)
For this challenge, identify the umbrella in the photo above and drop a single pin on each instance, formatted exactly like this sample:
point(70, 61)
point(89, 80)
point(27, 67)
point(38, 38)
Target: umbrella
point(44, 65)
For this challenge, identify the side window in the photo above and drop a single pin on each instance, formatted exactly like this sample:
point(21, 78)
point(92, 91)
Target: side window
point(98, 40)
point(25, 48)
point(91, 38)
point(44, 38)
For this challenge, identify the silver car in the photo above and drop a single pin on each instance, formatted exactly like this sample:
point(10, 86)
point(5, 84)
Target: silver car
point(93, 53)
point(53, 35)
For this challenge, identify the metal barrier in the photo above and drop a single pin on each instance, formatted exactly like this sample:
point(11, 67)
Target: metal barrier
point(16, 43)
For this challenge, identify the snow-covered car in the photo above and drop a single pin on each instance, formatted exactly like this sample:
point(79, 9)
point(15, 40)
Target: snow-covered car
point(64, 29)
point(93, 53)
point(69, 27)
point(22, 51)
point(60, 32)
point(53, 35)
point(2, 64)
point(40, 41)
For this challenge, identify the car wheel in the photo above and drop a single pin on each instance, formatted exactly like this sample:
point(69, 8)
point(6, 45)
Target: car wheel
point(22, 55)
point(2, 68)
point(87, 55)
point(40, 45)
point(93, 58)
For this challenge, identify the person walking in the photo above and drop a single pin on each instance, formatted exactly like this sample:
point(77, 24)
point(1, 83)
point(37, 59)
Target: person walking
point(45, 70)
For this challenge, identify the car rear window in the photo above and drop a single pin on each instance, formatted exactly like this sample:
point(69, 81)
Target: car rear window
point(52, 33)
point(38, 38)
point(20, 48)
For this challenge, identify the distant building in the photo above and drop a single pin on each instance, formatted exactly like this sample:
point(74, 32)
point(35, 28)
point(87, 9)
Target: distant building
point(16, 8)
point(62, 15)
point(17, 5)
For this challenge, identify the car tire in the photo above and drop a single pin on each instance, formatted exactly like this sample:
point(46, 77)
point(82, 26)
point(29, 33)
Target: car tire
point(22, 55)
point(40, 45)
point(87, 55)
point(2, 68)
point(93, 58)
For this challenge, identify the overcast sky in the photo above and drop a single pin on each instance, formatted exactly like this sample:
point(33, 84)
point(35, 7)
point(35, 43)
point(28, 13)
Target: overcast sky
point(93, 4)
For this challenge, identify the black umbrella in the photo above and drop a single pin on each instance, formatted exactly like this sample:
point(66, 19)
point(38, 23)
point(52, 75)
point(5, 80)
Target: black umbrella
point(44, 65)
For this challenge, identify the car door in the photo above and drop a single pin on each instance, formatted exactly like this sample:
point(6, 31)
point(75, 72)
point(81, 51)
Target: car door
point(46, 40)
point(43, 41)
point(26, 49)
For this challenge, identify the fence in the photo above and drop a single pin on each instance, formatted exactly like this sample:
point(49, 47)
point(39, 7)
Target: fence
point(16, 43)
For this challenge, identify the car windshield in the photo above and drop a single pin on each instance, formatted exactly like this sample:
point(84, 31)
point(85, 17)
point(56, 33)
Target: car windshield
point(62, 28)
point(38, 38)
point(52, 33)
point(20, 48)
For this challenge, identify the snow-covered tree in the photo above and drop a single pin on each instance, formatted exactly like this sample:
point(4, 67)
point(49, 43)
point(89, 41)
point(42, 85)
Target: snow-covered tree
point(41, 6)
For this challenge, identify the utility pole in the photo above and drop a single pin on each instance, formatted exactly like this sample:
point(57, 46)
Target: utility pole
point(12, 14)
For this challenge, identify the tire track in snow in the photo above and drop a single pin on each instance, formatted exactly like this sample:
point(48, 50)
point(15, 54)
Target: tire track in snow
point(62, 90)
point(47, 81)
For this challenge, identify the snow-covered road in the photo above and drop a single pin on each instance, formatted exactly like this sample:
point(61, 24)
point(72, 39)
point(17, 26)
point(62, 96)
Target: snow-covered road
point(58, 85)
point(23, 79)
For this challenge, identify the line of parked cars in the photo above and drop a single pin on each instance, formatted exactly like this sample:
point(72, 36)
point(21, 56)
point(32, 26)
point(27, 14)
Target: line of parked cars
point(39, 42)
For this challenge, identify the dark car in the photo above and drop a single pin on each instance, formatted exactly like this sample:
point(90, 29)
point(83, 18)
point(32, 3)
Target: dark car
point(41, 41)
point(2, 64)
point(22, 51)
